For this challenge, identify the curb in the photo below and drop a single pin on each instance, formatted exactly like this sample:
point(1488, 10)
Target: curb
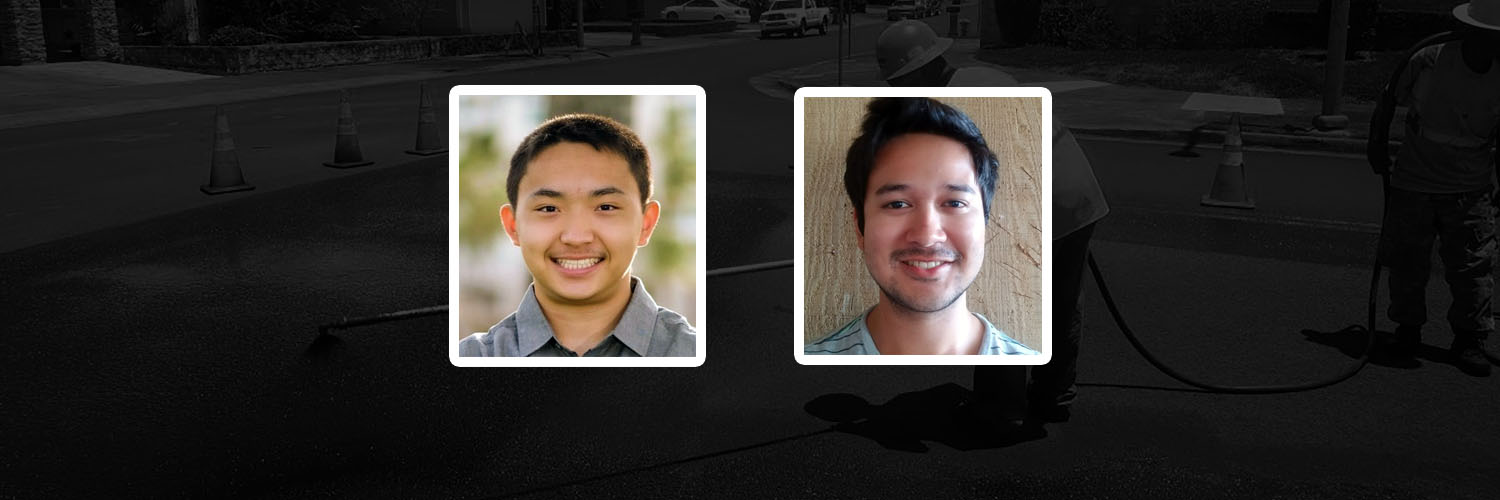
point(774, 85)
point(1211, 138)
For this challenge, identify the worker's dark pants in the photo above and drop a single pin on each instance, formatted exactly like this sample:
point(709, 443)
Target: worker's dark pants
point(1464, 226)
point(1054, 383)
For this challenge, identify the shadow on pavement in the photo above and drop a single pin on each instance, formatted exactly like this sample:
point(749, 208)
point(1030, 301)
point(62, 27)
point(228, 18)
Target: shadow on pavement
point(907, 420)
point(1351, 341)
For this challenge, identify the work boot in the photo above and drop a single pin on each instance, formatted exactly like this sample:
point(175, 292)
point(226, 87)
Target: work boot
point(1050, 413)
point(1043, 409)
point(1468, 356)
point(1403, 351)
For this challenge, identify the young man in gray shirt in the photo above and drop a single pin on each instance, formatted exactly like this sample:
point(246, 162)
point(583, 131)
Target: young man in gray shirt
point(580, 206)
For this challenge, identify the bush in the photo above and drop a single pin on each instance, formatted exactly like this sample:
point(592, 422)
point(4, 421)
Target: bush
point(1363, 15)
point(1179, 24)
point(291, 20)
point(238, 35)
point(1078, 24)
point(333, 32)
point(400, 17)
point(1213, 24)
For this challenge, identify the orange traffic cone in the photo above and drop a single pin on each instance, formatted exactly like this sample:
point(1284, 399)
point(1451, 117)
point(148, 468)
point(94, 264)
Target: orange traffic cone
point(224, 174)
point(429, 141)
point(1231, 188)
point(346, 144)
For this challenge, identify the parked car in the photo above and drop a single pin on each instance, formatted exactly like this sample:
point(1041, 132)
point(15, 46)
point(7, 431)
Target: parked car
point(903, 9)
point(705, 10)
point(794, 17)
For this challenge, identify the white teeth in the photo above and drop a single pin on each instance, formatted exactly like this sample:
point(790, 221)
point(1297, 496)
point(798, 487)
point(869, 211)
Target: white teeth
point(923, 264)
point(576, 264)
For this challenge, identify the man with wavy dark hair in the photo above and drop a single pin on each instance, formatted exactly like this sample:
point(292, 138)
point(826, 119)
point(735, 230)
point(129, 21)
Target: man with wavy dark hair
point(920, 177)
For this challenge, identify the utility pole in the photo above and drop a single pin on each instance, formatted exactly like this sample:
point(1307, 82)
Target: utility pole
point(952, 21)
point(849, 35)
point(637, 10)
point(538, 18)
point(843, 9)
point(1333, 88)
point(580, 24)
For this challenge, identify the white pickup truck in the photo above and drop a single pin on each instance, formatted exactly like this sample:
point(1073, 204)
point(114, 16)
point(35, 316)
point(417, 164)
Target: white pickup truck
point(793, 17)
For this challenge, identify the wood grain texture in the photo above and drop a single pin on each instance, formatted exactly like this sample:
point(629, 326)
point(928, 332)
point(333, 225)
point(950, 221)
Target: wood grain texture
point(1008, 289)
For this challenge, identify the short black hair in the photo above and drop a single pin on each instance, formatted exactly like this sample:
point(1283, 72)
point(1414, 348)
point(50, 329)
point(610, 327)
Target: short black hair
point(600, 132)
point(890, 117)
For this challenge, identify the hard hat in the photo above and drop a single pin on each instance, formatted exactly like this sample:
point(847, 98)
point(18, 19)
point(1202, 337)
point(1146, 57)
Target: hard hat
point(906, 46)
point(1483, 14)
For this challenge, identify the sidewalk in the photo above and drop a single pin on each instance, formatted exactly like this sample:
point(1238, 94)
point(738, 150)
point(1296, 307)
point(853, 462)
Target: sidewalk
point(1104, 109)
point(66, 92)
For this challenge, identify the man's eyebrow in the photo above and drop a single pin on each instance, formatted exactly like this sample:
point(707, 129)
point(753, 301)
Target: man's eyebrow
point(890, 188)
point(961, 188)
point(607, 190)
point(552, 193)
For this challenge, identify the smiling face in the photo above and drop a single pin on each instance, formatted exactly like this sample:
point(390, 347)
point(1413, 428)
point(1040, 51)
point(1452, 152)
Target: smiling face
point(578, 221)
point(923, 238)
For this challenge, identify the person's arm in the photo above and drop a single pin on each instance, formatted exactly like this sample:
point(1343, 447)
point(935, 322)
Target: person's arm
point(1419, 63)
point(1397, 92)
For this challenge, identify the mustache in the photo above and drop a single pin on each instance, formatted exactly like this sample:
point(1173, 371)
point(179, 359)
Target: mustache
point(938, 253)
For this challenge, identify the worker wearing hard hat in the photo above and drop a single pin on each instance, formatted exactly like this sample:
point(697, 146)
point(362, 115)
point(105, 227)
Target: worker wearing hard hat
point(910, 54)
point(1442, 187)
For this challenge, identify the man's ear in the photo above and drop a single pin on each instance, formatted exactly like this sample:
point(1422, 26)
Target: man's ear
point(508, 219)
point(859, 236)
point(648, 223)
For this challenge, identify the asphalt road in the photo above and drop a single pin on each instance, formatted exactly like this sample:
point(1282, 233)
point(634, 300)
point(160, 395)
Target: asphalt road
point(168, 356)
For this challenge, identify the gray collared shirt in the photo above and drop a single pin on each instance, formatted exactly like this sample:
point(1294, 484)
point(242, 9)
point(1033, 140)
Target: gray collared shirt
point(854, 338)
point(644, 330)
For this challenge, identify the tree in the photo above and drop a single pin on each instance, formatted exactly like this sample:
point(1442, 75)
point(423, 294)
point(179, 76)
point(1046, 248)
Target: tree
point(1363, 15)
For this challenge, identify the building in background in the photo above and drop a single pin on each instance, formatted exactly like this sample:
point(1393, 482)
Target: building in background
point(38, 31)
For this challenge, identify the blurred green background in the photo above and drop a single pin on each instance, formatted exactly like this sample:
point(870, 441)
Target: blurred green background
point(492, 277)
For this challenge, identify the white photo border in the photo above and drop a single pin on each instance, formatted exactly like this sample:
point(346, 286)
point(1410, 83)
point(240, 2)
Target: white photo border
point(701, 218)
point(799, 266)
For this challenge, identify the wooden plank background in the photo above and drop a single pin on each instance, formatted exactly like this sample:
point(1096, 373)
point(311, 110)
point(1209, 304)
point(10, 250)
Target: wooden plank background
point(1008, 290)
